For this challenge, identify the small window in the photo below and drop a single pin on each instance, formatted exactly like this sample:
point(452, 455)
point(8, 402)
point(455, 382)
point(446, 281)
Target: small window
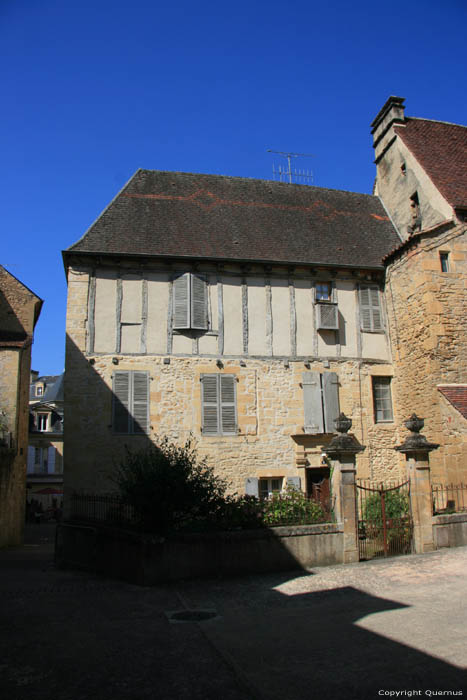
point(269, 487)
point(323, 291)
point(219, 404)
point(39, 390)
point(42, 421)
point(382, 400)
point(444, 261)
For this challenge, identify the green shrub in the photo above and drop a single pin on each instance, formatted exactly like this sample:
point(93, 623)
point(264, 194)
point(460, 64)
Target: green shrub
point(396, 505)
point(169, 488)
point(291, 508)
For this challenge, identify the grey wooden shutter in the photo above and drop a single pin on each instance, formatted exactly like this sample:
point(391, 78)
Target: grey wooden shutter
point(31, 459)
point(121, 403)
point(210, 404)
point(227, 403)
point(312, 401)
point(252, 486)
point(330, 400)
point(199, 305)
point(293, 482)
point(181, 301)
point(51, 460)
point(370, 310)
point(375, 309)
point(140, 407)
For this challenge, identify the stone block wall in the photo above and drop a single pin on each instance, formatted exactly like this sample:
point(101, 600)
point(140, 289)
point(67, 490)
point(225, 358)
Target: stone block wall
point(427, 312)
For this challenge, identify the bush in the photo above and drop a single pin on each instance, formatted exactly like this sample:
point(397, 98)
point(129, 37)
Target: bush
point(169, 488)
point(291, 508)
point(396, 506)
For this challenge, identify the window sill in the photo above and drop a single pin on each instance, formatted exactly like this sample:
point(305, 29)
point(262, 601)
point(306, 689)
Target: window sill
point(380, 332)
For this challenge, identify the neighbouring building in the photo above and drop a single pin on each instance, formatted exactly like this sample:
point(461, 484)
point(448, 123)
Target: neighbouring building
point(45, 451)
point(19, 311)
point(249, 313)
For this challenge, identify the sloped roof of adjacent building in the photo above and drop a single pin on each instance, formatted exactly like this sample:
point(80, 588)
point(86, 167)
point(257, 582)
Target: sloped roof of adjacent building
point(441, 149)
point(53, 388)
point(456, 394)
point(230, 218)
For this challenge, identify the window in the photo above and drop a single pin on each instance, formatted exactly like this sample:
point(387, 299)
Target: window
point(444, 261)
point(130, 403)
point(190, 308)
point(39, 390)
point(218, 398)
point(42, 421)
point(370, 311)
point(40, 460)
point(382, 400)
point(327, 317)
point(268, 487)
point(323, 291)
point(321, 401)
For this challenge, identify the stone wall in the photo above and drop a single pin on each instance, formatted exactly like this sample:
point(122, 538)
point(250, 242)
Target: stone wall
point(427, 318)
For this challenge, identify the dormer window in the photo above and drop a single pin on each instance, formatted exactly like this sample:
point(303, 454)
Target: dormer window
point(39, 390)
point(42, 421)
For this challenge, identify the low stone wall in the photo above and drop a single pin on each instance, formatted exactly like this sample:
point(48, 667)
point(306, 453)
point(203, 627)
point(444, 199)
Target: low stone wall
point(149, 560)
point(450, 530)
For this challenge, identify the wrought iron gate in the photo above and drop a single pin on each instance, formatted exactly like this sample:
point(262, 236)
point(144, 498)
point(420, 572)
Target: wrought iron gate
point(385, 526)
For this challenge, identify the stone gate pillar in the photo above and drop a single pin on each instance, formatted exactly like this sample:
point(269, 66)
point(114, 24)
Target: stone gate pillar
point(417, 449)
point(342, 451)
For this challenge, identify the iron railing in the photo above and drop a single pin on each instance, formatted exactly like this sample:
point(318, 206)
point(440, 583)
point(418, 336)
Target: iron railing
point(449, 498)
point(103, 508)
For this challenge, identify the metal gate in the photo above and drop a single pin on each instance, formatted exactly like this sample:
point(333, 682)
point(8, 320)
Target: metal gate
point(385, 526)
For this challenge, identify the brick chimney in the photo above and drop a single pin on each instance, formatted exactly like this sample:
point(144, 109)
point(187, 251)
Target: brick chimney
point(392, 112)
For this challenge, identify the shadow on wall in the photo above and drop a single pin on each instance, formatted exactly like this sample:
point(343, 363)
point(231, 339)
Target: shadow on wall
point(11, 328)
point(98, 425)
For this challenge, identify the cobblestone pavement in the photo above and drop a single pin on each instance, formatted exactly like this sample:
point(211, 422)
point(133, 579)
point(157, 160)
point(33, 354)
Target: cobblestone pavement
point(354, 631)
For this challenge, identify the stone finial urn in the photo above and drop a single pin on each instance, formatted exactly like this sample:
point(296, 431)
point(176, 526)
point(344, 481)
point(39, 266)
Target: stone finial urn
point(415, 442)
point(343, 443)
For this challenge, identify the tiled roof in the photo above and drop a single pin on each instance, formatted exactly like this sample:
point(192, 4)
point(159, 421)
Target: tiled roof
point(441, 149)
point(53, 388)
point(456, 394)
point(228, 218)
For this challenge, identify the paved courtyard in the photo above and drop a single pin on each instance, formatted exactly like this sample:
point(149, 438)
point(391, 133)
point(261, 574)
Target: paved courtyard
point(354, 631)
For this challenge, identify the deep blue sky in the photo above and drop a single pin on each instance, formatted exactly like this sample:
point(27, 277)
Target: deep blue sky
point(93, 90)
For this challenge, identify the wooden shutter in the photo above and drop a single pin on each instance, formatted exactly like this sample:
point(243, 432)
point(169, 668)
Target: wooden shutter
point(227, 403)
point(313, 407)
point(330, 400)
point(252, 486)
point(121, 402)
point(370, 310)
point(31, 459)
point(181, 301)
point(375, 309)
point(140, 403)
point(210, 404)
point(199, 305)
point(51, 460)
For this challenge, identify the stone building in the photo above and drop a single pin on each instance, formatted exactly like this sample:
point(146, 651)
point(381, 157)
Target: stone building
point(422, 181)
point(19, 311)
point(45, 449)
point(247, 313)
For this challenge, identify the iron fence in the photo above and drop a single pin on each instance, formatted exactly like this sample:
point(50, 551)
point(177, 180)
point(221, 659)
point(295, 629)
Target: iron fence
point(103, 508)
point(449, 498)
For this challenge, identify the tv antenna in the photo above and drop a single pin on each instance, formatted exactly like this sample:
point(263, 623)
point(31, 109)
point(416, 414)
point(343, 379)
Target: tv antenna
point(283, 174)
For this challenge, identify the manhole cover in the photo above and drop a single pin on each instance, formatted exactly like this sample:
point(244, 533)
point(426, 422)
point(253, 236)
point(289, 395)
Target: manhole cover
point(191, 615)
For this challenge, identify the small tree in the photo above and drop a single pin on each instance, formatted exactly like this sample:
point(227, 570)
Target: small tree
point(168, 487)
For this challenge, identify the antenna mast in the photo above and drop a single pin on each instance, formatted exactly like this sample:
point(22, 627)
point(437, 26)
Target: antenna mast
point(301, 176)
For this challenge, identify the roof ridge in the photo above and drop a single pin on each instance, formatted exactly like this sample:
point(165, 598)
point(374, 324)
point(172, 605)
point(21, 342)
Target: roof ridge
point(254, 179)
point(436, 121)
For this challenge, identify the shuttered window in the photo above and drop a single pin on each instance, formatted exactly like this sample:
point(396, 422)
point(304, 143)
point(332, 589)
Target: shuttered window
point(321, 401)
point(218, 398)
point(130, 403)
point(370, 309)
point(190, 308)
